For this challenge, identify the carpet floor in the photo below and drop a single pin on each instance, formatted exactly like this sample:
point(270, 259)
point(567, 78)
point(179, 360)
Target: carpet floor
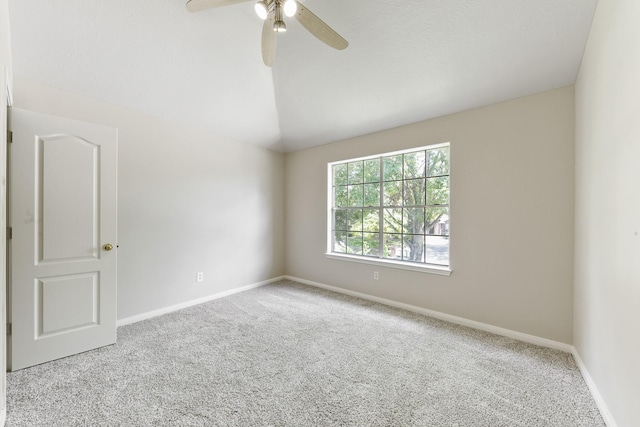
point(291, 355)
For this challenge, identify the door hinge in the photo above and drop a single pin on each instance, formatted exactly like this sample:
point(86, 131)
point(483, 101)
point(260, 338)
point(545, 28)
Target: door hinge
point(9, 136)
point(9, 233)
point(8, 328)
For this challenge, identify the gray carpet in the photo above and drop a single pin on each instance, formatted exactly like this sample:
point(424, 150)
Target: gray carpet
point(291, 355)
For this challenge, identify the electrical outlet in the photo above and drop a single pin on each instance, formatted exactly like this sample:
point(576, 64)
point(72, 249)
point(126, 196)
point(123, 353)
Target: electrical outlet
point(376, 276)
point(200, 277)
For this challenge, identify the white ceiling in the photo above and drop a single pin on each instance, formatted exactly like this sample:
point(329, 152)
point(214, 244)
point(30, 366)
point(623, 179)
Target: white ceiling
point(408, 60)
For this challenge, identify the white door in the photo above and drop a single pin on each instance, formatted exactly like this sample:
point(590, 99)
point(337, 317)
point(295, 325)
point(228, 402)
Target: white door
point(62, 203)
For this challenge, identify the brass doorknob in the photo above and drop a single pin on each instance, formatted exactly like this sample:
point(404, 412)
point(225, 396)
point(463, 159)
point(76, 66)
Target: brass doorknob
point(107, 247)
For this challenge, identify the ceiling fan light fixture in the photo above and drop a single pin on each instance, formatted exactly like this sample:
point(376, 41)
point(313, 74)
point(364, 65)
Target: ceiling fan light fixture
point(279, 26)
point(290, 7)
point(262, 9)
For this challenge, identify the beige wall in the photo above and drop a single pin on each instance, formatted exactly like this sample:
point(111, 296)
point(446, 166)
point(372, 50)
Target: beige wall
point(607, 256)
point(512, 198)
point(188, 202)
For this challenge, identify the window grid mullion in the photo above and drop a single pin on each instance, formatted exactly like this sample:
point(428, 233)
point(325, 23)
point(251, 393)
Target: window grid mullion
point(404, 183)
point(381, 211)
point(403, 213)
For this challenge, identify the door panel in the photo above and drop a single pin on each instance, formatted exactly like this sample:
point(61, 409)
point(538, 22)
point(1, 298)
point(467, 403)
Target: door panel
point(63, 211)
point(67, 303)
point(69, 218)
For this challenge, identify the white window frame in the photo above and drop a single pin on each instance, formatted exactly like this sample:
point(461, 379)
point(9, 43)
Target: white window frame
point(404, 265)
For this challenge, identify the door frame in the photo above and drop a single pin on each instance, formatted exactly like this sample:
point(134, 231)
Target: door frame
point(6, 102)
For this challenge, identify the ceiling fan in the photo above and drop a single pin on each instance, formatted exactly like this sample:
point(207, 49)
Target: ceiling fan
point(273, 12)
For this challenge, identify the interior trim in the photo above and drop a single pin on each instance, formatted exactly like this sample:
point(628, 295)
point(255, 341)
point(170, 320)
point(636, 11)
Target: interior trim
point(176, 307)
point(532, 339)
point(602, 406)
point(383, 262)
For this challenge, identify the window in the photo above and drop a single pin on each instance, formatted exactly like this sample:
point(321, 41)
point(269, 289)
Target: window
point(392, 208)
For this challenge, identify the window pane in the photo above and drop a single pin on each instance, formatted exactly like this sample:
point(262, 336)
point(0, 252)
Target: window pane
point(340, 196)
point(371, 220)
point(371, 244)
point(393, 246)
point(392, 220)
point(413, 221)
point(340, 174)
point(356, 172)
point(399, 201)
point(392, 167)
point(393, 193)
point(438, 191)
point(355, 195)
point(355, 220)
point(372, 170)
point(340, 242)
point(438, 162)
point(372, 194)
point(414, 192)
point(340, 219)
point(437, 220)
point(414, 165)
point(413, 248)
point(354, 243)
point(437, 250)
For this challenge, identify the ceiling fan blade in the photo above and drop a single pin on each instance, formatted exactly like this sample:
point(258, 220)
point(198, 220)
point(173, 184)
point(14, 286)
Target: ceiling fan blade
point(269, 41)
point(319, 28)
point(198, 5)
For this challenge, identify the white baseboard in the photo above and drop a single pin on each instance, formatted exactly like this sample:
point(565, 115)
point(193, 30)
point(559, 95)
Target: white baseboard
point(3, 417)
point(602, 406)
point(165, 310)
point(532, 339)
point(544, 342)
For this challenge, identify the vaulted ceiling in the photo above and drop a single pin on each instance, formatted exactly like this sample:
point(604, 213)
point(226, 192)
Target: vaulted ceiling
point(408, 60)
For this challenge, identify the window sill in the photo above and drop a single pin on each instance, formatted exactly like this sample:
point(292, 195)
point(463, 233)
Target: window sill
point(431, 269)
